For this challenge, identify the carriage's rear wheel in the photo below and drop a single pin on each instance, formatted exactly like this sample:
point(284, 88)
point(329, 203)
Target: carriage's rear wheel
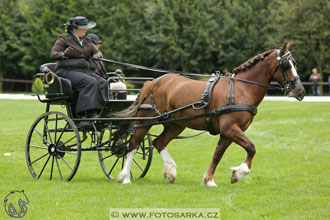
point(53, 147)
point(112, 161)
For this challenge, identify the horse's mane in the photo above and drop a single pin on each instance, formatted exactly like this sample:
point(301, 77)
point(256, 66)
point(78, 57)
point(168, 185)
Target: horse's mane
point(251, 62)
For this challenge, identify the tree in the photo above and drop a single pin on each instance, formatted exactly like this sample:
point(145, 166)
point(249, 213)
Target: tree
point(45, 21)
point(243, 30)
point(12, 29)
point(180, 35)
point(306, 24)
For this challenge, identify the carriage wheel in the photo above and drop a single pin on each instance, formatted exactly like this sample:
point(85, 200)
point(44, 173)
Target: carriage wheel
point(112, 161)
point(53, 147)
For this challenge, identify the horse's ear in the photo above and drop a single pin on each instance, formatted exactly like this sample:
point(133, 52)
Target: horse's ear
point(285, 47)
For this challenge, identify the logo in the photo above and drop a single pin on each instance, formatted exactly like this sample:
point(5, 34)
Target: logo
point(15, 204)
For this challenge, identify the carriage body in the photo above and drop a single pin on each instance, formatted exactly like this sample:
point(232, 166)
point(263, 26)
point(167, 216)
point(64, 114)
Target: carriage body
point(57, 139)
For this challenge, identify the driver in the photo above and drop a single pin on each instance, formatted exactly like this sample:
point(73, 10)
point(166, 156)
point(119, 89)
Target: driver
point(73, 52)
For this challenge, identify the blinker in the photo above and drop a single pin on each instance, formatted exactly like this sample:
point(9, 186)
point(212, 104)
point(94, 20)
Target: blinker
point(286, 64)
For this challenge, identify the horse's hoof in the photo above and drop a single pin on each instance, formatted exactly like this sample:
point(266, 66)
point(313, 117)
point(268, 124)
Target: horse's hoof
point(239, 173)
point(170, 177)
point(234, 178)
point(210, 183)
point(126, 181)
point(122, 178)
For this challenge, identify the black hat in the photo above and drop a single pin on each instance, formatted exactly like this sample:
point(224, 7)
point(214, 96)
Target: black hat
point(80, 22)
point(95, 39)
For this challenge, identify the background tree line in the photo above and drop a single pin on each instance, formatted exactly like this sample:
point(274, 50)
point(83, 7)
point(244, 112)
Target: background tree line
point(198, 36)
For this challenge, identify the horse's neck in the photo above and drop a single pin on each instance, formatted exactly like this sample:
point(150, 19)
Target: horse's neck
point(260, 73)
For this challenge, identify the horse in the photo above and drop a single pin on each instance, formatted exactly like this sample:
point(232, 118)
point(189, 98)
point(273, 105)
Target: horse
point(246, 86)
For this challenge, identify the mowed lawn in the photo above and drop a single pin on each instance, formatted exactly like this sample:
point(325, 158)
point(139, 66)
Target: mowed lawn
point(290, 177)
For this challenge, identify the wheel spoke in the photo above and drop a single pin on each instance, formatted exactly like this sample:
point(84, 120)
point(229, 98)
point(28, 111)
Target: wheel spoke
point(45, 140)
point(72, 145)
point(113, 166)
point(35, 146)
point(47, 131)
point(106, 157)
point(39, 158)
point(67, 152)
point(70, 140)
point(55, 128)
point(51, 171)
point(65, 162)
point(138, 165)
point(59, 138)
point(58, 167)
point(43, 168)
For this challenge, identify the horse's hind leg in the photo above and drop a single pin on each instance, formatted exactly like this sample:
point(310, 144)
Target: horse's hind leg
point(124, 175)
point(170, 132)
point(222, 146)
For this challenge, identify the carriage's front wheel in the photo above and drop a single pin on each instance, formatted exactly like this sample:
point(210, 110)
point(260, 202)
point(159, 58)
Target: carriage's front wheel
point(113, 159)
point(53, 147)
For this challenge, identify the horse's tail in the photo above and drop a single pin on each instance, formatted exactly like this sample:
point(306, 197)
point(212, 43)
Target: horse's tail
point(125, 127)
point(131, 111)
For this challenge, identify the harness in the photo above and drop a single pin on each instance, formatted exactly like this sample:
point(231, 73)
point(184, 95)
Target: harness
point(282, 63)
point(207, 95)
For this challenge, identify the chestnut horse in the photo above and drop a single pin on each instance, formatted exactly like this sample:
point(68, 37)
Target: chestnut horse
point(172, 91)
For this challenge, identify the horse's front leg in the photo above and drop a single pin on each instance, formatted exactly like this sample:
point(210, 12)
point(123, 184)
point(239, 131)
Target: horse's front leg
point(222, 146)
point(239, 172)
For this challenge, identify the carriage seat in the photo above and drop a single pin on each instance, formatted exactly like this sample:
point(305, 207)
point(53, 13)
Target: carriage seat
point(54, 85)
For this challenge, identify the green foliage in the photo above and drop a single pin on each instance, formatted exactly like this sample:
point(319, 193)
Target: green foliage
point(306, 24)
point(244, 27)
point(12, 30)
point(40, 86)
point(181, 35)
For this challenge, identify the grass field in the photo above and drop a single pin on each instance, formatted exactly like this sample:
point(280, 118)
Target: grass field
point(290, 177)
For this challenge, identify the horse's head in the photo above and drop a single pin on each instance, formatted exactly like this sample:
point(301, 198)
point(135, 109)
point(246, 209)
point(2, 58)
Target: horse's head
point(285, 73)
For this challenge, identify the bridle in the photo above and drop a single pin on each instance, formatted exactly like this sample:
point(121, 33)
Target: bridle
point(283, 62)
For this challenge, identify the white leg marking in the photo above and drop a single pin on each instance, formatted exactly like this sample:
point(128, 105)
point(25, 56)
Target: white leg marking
point(209, 183)
point(124, 175)
point(239, 172)
point(169, 166)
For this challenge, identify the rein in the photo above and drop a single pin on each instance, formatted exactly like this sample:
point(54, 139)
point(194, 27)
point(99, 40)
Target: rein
point(185, 73)
point(149, 68)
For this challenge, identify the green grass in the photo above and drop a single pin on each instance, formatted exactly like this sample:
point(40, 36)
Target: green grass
point(289, 178)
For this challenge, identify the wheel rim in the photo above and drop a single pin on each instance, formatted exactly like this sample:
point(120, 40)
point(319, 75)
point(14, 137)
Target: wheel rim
point(112, 163)
point(53, 147)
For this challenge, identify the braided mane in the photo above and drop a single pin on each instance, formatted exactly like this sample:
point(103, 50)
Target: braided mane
point(251, 62)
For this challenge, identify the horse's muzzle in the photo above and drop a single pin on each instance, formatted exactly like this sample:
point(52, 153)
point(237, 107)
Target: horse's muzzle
point(298, 91)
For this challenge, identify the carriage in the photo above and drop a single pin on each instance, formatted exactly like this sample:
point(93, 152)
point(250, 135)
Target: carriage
point(224, 105)
point(57, 139)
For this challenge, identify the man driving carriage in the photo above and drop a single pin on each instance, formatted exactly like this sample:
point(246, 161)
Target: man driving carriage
point(96, 65)
point(73, 52)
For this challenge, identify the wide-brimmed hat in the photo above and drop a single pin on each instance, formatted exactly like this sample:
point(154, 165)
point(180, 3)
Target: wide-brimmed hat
point(95, 39)
point(80, 22)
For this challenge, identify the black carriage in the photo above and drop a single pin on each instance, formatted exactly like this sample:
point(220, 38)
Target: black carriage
point(57, 139)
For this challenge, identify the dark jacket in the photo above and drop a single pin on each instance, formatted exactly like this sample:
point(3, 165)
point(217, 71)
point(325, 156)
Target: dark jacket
point(80, 53)
point(98, 67)
point(91, 88)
